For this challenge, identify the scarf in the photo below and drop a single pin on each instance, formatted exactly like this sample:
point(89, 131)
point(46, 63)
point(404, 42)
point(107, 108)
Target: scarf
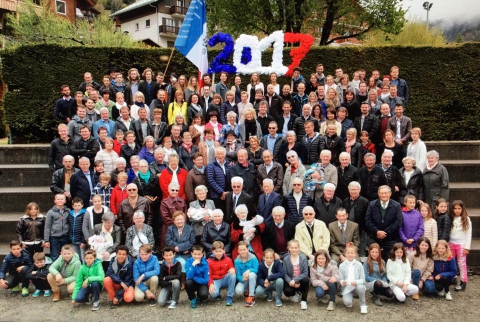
point(200, 129)
point(174, 175)
point(200, 170)
point(216, 130)
point(140, 104)
point(144, 176)
point(349, 144)
point(433, 166)
point(187, 147)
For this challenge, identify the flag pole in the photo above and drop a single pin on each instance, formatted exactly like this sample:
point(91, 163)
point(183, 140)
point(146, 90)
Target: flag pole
point(169, 59)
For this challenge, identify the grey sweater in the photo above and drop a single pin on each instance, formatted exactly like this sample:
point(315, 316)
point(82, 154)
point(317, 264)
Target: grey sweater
point(56, 224)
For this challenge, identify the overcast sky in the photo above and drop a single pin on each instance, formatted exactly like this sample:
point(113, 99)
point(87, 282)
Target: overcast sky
point(453, 10)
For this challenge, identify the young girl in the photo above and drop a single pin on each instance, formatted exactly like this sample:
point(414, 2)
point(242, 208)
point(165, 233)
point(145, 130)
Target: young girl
point(367, 145)
point(352, 278)
point(399, 273)
point(412, 228)
point(296, 274)
point(324, 277)
point(30, 229)
point(430, 229)
point(375, 275)
point(460, 239)
point(443, 220)
point(246, 266)
point(445, 269)
point(119, 141)
point(270, 277)
point(422, 267)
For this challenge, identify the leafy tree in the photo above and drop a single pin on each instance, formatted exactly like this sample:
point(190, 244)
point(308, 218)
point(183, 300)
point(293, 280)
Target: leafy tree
point(459, 38)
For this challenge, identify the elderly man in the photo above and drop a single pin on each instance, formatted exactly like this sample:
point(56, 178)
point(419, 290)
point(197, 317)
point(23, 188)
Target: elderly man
point(82, 182)
point(132, 204)
point(312, 234)
point(247, 170)
point(392, 174)
point(295, 201)
point(327, 205)
point(86, 146)
point(271, 170)
point(278, 232)
point(342, 232)
point(371, 177)
point(120, 166)
point(105, 122)
point(383, 220)
point(218, 177)
point(326, 172)
point(59, 148)
point(61, 179)
point(294, 170)
point(157, 166)
point(195, 177)
point(346, 174)
point(237, 197)
point(268, 200)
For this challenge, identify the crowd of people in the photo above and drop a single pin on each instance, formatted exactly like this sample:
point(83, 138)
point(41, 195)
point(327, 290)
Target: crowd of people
point(263, 190)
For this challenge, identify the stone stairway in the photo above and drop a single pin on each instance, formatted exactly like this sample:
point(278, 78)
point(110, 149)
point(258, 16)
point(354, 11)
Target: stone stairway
point(25, 177)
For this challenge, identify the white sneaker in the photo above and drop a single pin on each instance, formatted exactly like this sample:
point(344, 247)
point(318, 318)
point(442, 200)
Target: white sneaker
point(295, 298)
point(448, 296)
point(331, 306)
point(303, 305)
point(441, 293)
point(364, 309)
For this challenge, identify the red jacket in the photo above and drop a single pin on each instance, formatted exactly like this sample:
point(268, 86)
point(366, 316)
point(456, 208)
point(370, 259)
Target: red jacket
point(237, 235)
point(219, 268)
point(166, 178)
point(117, 145)
point(116, 197)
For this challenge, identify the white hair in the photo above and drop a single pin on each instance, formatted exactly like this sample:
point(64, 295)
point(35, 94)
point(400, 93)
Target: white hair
point(241, 208)
point(268, 180)
point(237, 180)
point(217, 212)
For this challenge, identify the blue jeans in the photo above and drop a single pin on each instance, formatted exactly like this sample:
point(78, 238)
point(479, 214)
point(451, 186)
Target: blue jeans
point(80, 251)
point(428, 285)
point(276, 286)
point(94, 288)
point(247, 286)
point(56, 244)
point(227, 281)
point(332, 290)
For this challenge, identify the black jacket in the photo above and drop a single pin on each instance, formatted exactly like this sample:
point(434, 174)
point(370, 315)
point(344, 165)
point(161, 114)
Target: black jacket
point(119, 125)
point(167, 274)
point(137, 128)
point(336, 145)
point(150, 188)
point(59, 149)
point(299, 126)
point(269, 235)
point(281, 121)
point(356, 155)
point(371, 124)
point(126, 152)
point(249, 175)
point(82, 87)
point(211, 234)
point(58, 180)
point(390, 223)
point(79, 187)
point(312, 151)
point(149, 95)
point(371, 181)
point(276, 147)
point(414, 185)
point(356, 209)
point(275, 107)
point(90, 151)
point(327, 212)
point(345, 176)
point(186, 159)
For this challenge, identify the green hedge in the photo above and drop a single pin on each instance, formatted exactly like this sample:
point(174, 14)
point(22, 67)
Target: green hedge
point(444, 95)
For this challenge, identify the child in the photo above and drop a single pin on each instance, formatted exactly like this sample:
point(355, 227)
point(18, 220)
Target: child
point(14, 268)
point(170, 273)
point(412, 228)
point(296, 274)
point(443, 220)
point(119, 141)
point(367, 145)
point(430, 229)
point(399, 273)
point(75, 224)
point(30, 229)
point(93, 216)
point(98, 170)
point(89, 281)
point(37, 274)
point(445, 269)
point(324, 277)
point(103, 188)
point(246, 265)
point(145, 274)
point(119, 278)
point(460, 239)
point(376, 276)
point(119, 193)
point(270, 277)
point(64, 271)
point(198, 276)
point(56, 226)
point(222, 273)
point(422, 267)
point(352, 278)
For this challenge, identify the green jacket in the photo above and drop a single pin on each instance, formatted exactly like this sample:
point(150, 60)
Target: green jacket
point(71, 271)
point(93, 273)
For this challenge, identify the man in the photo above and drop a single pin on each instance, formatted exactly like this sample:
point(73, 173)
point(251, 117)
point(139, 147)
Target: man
point(258, 98)
point(59, 148)
point(271, 170)
point(356, 207)
point(160, 103)
point(393, 176)
point(247, 171)
point(149, 87)
point(275, 102)
point(207, 81)
point(61, 178)
point(142, 127)
point(286, 120)
point(63, 105)
point(319, 74)
point(101, 136)
point(94, 96)
point(286, 94)
point(361, 96)
point(367, 122)
point(297, 79)
point(327, 205)
point(118, 86)
point(376, 77)
point(131, 148)
point(77, 122)
point(299, 125)
point(131, 205)
point(383, 220)
point(78, 101)
point(393, 99)
point(131, 87)
point(401, 84)
point(295, 201)
point(82, 182)
point(91, 113)
point(278, 232)
point(176, 137)
point(313, 142)
point(320, 93)
point(371, 177)
point(312, 234)
point(107, 86)
point(86, 146)
point(218, 178)
point(326, 172)
point(338, 75)
point(346, 174)
point(401, 126)
point(263, 118)
point(237, 197)
point(195, 177)
point(299, 99)
point(171, 88)
point(342, 232)
point(104, 122)
point(105, 101)
point(125, 121)
point(383, 122)
point(157, 166)
point(268, 200)
point(272, 141)
point(88, 80)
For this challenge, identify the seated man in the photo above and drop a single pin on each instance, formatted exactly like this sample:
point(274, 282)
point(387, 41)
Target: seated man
point(295, 201)
point(342, 232)
point(312, 234)
point(278, 232)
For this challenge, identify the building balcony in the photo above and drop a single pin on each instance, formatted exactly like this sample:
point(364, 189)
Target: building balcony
point(168, 31)
point(178, 12)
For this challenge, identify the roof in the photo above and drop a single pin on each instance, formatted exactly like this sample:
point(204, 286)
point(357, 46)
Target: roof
point(133, 6)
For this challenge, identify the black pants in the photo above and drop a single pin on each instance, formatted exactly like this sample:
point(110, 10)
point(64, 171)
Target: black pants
point(443, 284)
point(195, 290)
point(303, 288)
point(220, 204)
point(32, 249)
point(379, 289)
point(386, 246)
point(41, 284)
point(13, 278)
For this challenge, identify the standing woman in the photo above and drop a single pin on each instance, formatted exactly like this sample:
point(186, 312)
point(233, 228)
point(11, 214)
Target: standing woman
point(317, 113)
point(177, 106)
point(390, 144)
point(351, 104)
point(194, 107)
point(417, 149)
point(228, 106)
point(222, 86)
point(290, 144)
point(273, 81)
point(139, 102)
point(192, 88)
point(412, 180)
point(107, 156)
point(374, 102)
point(331, 101)
point(255, 84)
point(354, 148)
point(345, 122)
point(435, 179)
point(207, 147)
point(255, 151)
point(146, 153)
point(173, 174)
point(197, 128)
point(213, 123)
point(186, 151)
point(331, 119)
point(230, 125)
point(236, 89)
point(171, 204)
point(249, 127)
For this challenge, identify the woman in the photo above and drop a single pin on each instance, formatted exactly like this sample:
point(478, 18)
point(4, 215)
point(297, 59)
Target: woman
point(331, 101)
point(290, 144)
point(181, 237)
point(173, 174)
point(212, 123)
point(312, 98)
point(111, 234)
point(255, 84)
point(119, 103)
point(186, 151)
point(330, 83)
point(273, 81)
point(180, 121)
point(133, 171)
point(172, 203)
point(412, 180)
point(216, 230)
point(146, 153)
point(237, 232)
point(385, 92)
point(335, 144)
point(231, 125)
point(147, 184)
point(139, 234)
point(317, 113)
point(374, 102)
point(435, 179)
point(417, 149)
point(177, 106)
point(390, 144)
point(139, 101)
point(295, 169)
point(343, 87)
point(372, 85)
point(312, 87)
point(168, 149)
point(236, 89)
point(215, 106)
point(159, 127)
point(255, 151)
point(194, 107)
point(345, 122)
point(232, 145)
point(351, 104)
point(222, 86)
point(354, 148)
point(249, 127)
point(181, 84)
point(192, 88)
point(207, 147)
point(107, 156)
point(228, 106)
point(331, 119)
point(197, 128)
point(200, 211)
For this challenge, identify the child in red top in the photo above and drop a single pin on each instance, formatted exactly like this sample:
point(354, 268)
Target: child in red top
point(222, 273)
point(119, 141)
point(119, 193)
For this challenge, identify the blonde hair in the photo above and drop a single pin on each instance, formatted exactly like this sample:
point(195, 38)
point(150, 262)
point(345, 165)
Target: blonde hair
point(448, 252)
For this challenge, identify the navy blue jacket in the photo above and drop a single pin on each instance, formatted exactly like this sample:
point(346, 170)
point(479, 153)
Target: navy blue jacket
point(278, 271)
point(123, 274)
point(290, 206)
point(265, 209)
point(79, 187)
point(217, 181)
point(390, 223)
point(11, 263)
point(75, 225)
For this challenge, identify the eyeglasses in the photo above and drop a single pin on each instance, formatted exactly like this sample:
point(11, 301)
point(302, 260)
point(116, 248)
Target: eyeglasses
point(174, 190)
point(296, 184)
point(309, 214)
point(236, 186)
point(291, 157)
point(131, 189)
point(272, 128)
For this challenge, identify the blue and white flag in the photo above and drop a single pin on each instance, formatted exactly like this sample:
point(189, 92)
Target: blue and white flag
point(192, 38)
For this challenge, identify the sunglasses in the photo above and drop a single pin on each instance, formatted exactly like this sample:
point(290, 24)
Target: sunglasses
point(131, 189)
point(309, 214)
point(272, 128)
point(174, 190)
point(236, 186)
point(296, 184)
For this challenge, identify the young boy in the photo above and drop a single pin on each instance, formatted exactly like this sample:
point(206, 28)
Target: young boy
point(103, 188)
point(270, 277)
point(145, 274)
point(119, 141)
point(89, 281)
point(14, 268)
point(119, 281)
point(37, 274)
point(222, 273)
point(246, 265)
point(170, 273)
point(56, 226)
point(198, 276)
point(64, 271)
point(75, 223)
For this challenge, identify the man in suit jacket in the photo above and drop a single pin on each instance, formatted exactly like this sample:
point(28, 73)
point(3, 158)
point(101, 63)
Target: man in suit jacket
point(104, 122)
point(342, 232)
point(237, 197)
point(275, 102)
point(356, 207)
point(278, 232)
point(149, 87)
point(268, 200)
point(83, 182)
point(312, 234)
point(402, 134)
point(142, 126)
point(205, 100)
point(271, 170)
point(286, 117)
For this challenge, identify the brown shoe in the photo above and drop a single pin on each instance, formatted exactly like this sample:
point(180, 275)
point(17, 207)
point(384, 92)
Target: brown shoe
point(416, 296)
point(56, 296)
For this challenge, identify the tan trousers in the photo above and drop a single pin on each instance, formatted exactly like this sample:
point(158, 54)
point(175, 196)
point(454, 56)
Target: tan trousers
point(55, 288)
point(151, 283)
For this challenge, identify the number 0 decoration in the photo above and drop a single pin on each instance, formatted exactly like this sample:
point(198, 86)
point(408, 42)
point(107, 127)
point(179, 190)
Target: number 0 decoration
point(247, 53)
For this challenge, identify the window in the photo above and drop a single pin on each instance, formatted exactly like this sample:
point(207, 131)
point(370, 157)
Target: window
point(61, 7)
point(136, 26)
point(147, 23)
point(169, 22)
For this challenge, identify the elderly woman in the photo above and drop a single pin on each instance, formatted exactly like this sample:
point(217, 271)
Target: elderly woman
point(168, 206)
point(160, 164)
point(108, 156)
point(133, 171)
point(181, 237)
point(139, 234)
point(256, 228)
point(216, 230)
point(120, 166)
point(435, 179)
point(168, 148)
point(354, 148)
point(195, 177)
point(207, 147)
point(294, 170)
point(232, 145)
point(173, 174)
point(200, 211)
point(111, 233)
point(186, 151)
point(290, 144)
point(255, 151)
point(146, 153)
point(417, 149)
point(231, 125)
point(249, 126)
point(413, 180)
point(147, 183)
point(181, 122)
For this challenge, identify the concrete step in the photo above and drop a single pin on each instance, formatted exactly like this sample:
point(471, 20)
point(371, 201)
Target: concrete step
point(469, 192)
point(8, 224)
point(474, 214)
point(455, 150)
point(463, 170)
point(24, 153)
point(21, 175)
point(14, 199)
point(473, 258)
